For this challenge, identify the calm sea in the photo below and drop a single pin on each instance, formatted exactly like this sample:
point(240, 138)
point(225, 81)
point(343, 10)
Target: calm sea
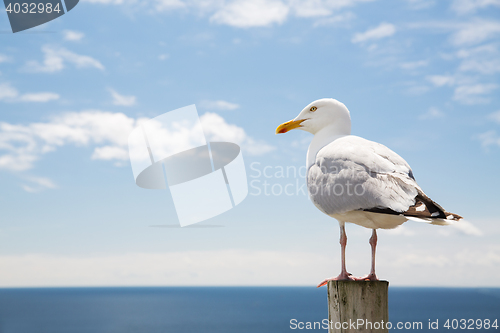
point(224, 309)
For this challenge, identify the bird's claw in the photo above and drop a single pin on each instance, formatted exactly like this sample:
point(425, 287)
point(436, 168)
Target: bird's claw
point(369, 277)
point(345, 276)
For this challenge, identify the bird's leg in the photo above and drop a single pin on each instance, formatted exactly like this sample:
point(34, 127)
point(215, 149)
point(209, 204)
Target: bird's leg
point(344, 275)
point(372, 276)
point(343, 243)
point(373, 243)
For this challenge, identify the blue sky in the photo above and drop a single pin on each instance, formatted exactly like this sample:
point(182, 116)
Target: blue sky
point(419, 76)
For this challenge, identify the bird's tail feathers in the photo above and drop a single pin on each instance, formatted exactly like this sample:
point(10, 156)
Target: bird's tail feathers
point(427, 209)
point(435, 221)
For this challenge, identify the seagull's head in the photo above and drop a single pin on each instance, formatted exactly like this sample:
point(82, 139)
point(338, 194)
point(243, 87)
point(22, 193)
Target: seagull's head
point(320, 114)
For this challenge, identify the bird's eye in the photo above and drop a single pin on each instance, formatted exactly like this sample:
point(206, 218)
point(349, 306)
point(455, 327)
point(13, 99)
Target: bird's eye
point(313, 109)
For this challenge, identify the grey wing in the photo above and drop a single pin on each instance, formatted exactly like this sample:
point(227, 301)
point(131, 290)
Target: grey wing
point(352, 173)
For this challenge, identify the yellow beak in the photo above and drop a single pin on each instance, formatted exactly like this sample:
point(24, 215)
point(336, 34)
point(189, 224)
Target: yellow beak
point(288, 126)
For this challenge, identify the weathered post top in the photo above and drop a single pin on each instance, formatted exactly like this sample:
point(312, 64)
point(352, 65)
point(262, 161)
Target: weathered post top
point(358, 306)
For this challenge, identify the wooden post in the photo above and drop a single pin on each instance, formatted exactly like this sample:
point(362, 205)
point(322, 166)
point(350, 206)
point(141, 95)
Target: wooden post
point(358, 306)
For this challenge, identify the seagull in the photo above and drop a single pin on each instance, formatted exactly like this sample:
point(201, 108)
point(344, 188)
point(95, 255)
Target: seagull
point(359, 181)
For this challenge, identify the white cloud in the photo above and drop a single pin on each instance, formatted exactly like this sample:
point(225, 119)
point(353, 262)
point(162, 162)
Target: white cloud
point(381, 31)
point(110, 153)
point(467, 228)
point(39, 97)
point(421, 258)
point(163, 56)
point(179, 136)
point(466, 89)
point(463, 33)
point(491, 66)
point(162, 5)
point(38, 184)
point(405, 265)
point(214, 268)
point(217, 129)
point(219, 105)
point(55, 59)
point(256, 147)
point(475, 32)
point(122, 100)
point(7, 92)
point(319, 8)
point(420, 4)
point(495, 116)
point(158, 5)
point(72, 36)
point(11, 94)
point(448, 80)
point(414, 64)
point(19, 161)
point(471, 6)
point(484, 59)
point(310, 8)
point(474, 93)
point(416, 88)
point(432, 113)
point(22, 145)
point(474, 62)
point(29, 189)
point(490, 138)
point(244, 13)
point(251, 13)
point(334, 20)
point(4, 58)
